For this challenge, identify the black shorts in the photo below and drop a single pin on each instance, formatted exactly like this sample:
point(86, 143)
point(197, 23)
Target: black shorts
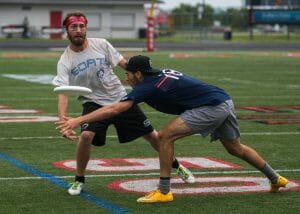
point(129, 125)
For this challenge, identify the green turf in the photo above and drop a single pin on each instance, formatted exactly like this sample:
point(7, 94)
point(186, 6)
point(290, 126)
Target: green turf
point(251, 79)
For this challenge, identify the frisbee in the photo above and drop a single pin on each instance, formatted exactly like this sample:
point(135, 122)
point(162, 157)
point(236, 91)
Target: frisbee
point(72, 90)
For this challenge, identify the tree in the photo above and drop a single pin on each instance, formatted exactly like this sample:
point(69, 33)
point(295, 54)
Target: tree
point(207, 17)
point(236, 18)
point(186, 16)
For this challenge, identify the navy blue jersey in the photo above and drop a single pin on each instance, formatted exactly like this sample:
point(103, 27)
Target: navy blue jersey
point(172, 92)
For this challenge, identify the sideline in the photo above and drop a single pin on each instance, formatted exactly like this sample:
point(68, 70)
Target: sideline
point(63, 184)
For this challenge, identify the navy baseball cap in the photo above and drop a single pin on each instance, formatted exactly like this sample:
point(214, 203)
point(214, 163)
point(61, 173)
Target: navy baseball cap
point(140, 63)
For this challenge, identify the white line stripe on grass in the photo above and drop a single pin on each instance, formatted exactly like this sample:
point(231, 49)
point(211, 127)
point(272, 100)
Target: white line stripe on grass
point(42, 137)
point(150, 174)
point(115, 136)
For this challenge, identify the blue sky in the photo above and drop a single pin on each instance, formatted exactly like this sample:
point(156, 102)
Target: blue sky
point(170, 4)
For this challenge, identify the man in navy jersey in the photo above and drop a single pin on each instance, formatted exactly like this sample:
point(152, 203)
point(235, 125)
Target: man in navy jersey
point(201, 108)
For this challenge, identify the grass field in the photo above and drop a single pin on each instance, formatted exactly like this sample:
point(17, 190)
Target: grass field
point(31, 183)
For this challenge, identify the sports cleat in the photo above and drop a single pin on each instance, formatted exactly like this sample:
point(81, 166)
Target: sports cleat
point(75, 188)
point(185, 174)
point(156, 196)
point(281, 182)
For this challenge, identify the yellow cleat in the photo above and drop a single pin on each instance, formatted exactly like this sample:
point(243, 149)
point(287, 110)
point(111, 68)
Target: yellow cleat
point(281, 182)
point(156, 196)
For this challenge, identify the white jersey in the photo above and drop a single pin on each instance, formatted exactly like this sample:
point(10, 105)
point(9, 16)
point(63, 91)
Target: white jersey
point(92, 68)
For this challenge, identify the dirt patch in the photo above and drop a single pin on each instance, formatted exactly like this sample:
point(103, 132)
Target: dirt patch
point(199, 55)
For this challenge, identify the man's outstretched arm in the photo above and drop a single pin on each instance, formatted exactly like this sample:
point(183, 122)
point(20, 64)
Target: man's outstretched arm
point(99, 114)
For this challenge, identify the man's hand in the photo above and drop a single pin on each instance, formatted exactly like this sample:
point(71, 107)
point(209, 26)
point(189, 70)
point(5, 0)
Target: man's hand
point(66, 127)
point(69, 134)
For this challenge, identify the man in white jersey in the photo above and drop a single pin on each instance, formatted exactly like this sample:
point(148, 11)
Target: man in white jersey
point(89, 62)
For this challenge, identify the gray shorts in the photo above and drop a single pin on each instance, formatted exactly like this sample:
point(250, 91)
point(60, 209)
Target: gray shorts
point(218, 121)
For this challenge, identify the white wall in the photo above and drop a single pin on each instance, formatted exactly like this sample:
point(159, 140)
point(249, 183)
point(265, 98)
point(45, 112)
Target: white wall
point(39, 16)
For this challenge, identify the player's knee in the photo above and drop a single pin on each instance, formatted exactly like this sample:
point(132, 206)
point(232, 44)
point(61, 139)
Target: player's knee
point(234, 147)
point(87, 136)
point(236, 151)
point(164, 137)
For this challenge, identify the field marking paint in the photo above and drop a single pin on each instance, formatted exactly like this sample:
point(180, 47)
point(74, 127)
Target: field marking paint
point(144, 164)
point(24, 119)
point(63, 184)
point(203, 185)
point(257, 83)
point(19, 111)
point(45, 79)
point(21, 116)
point(148, 174)
point(182, 55)
point(115, 136)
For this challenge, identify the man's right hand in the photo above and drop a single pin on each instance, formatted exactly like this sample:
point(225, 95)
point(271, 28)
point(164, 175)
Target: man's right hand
point(69, 134)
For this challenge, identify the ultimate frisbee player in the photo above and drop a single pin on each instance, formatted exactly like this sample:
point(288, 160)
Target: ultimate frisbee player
point(89, 62)
point(201, 108)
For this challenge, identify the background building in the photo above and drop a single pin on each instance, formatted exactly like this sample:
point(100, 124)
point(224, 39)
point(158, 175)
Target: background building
point(113, 18)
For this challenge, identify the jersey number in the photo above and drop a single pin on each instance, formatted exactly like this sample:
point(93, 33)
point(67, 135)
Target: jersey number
point(172, 73)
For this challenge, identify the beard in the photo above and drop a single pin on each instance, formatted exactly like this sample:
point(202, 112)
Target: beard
point(77, 40)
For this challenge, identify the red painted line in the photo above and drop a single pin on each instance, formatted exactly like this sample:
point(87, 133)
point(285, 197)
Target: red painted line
point(260, 109)
point(249, 117)
point(279, 122)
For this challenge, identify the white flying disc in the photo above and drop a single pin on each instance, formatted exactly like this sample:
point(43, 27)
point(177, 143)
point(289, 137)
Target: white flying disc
point(72, 90)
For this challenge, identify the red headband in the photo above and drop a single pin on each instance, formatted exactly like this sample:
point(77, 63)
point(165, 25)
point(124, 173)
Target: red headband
point(73, 19)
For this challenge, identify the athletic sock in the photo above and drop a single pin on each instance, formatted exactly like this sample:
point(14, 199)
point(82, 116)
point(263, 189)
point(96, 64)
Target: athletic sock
point(175, 164)
point(270, 173)
point(164, 184)
point(79, 178)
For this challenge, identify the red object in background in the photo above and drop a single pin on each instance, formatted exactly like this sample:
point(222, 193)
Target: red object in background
point(55, 22)
point(278, 2)
point(161, 19)
point(150, 34)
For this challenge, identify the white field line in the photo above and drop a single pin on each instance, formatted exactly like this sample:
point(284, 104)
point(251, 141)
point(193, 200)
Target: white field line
point(149, 174)
point(115, 136)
